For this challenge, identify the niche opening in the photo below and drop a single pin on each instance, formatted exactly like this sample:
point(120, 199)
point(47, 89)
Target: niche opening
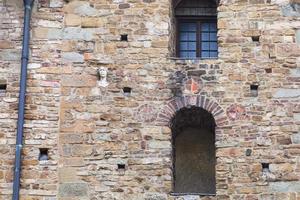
point(121, 166)
point(124, 37)
point(43, 154)
point(268, 70)
point(127, 91)
point(3, 86)
point(248, 152)
point(265, 166)
point(255, 38)
point(254, 90)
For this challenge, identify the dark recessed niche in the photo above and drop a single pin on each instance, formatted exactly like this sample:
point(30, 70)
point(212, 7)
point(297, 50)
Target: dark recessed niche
point(265, 166)
point(254, 90)
point(268, 70)
point(255, 38)
point(127, 91)
point(121, 166)
point(124, 37)
point(43, 154)
point(3, 86)
point(248, 152)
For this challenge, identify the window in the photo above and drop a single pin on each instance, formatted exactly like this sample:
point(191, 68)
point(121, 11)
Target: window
point(193, 152)
point(196, 29)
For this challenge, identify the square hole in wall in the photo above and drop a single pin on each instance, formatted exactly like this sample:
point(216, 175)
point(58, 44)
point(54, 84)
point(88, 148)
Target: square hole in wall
point(127, 91)
point(265, 166)
point(121, 166)
point(3, 87)
point(248, 152)
point(255, 38)
point(124, 37)
point(268, 70)
point(43, 154)
point(254, 90)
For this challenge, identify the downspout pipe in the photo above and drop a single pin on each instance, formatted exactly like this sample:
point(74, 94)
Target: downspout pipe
point(28, 4)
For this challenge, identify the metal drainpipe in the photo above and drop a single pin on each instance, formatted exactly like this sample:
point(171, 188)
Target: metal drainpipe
point(28, 4)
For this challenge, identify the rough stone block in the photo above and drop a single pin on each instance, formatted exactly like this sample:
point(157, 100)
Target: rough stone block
point(79, 81)
point(72, 57)
point(297, 116)
point(72, 20)
point(298, 36)
point(82, 150)
point(287, 93)
point(73, 190)
point(287, 50)
point(296, 138)
point(291, 10)
point(295, 72)
point(77, 33)
point(67, 174)
point(81, 8)
point(281, 168)
point(291, 186)
point(47, 33)
point(159, 144)
point(91, 22)
point(10, 55)
point(5, 44)
point(56, 3)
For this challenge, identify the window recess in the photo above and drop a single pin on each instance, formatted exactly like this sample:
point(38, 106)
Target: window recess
point(196, 23)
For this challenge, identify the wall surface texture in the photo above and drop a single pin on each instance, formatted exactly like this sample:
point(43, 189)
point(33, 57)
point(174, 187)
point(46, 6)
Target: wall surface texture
point(90, 130)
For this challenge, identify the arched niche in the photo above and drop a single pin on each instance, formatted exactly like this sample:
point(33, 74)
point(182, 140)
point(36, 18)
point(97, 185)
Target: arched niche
point(194, 159)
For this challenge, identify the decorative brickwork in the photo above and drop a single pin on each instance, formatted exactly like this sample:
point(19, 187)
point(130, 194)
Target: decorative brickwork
point(202, 101)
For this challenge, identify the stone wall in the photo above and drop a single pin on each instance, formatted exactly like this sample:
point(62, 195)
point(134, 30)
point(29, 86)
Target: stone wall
point(104, 144)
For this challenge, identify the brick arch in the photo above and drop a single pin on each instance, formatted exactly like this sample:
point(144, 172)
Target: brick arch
point(169, 110)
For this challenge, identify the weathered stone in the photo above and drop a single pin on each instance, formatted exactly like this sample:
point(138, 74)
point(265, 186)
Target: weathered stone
point(296, 138)
point(290, 10)
point(84, 9)
point(67, 174)
point(77, 33)
point(287, 93)
point(10, 55)
point(91, 22)
point(4, 44)
point(289, 186)
point(298, 36)
point(78, 81)
point(73, 190)
point(47, 33)
point(159, 144)
point(72, 57)
point(281, 168)
point(72, 20)
point(295, 72)
point(56, 3)
point(124, 5)
point(287, 50)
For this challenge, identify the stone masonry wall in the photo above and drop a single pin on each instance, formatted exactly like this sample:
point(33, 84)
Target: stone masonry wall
point(105, 144)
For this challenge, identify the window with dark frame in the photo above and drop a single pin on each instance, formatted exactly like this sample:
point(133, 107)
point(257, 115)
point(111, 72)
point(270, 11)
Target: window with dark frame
point(196, 29)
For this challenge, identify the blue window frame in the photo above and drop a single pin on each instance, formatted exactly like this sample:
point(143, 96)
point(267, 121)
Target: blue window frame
point(197, 39)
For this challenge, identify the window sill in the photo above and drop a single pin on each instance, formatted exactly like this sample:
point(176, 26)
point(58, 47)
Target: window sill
point(196, 194)
point(179, 60)
point(193, 59)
